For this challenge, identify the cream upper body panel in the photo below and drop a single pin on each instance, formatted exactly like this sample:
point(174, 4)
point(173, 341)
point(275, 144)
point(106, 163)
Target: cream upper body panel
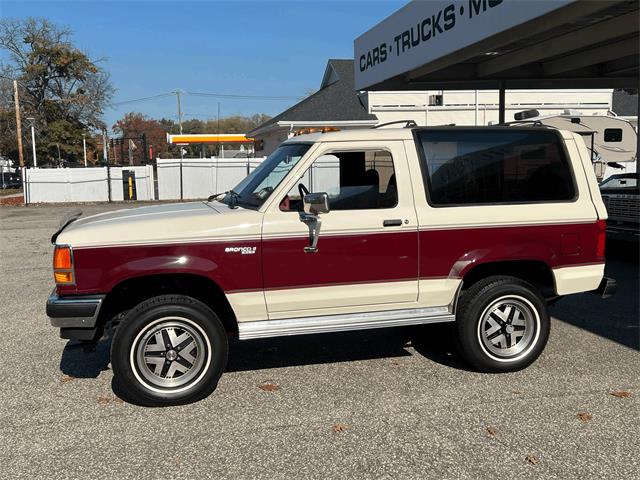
point(162, 224)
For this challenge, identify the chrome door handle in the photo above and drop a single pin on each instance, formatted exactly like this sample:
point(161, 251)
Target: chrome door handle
point(396, 222)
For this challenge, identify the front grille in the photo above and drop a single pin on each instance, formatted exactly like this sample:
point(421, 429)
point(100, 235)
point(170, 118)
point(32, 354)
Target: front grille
point(622, 207)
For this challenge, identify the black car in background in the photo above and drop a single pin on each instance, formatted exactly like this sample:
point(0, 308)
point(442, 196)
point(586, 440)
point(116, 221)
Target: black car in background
point(10, 180)
point(621, 196)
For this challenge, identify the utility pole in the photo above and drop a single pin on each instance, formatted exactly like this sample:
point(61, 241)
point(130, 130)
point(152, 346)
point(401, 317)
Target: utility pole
point(84, 148)
point(179, 111)
point(218, 130)
point(18, 123)
point(181, 154)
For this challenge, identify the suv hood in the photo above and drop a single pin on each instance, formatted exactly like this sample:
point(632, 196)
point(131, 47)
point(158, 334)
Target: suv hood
point(160, 224)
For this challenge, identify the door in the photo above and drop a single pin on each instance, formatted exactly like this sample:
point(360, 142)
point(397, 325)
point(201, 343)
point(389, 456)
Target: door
point(368, 243)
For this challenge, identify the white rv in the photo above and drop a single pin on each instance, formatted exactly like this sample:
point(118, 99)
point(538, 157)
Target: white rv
point(611, 140)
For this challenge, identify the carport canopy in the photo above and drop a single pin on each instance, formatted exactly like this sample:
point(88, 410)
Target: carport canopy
point(498, 44)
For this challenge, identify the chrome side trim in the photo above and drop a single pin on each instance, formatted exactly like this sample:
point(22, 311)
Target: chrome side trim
point(343, 322)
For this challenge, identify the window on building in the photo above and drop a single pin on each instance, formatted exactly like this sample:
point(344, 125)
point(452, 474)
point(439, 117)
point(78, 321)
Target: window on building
point(354, 180)
point(466, 167)
point(612, 134)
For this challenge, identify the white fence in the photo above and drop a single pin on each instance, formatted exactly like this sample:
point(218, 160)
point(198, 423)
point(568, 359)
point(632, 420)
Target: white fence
point(201, 177)
point(47, 185)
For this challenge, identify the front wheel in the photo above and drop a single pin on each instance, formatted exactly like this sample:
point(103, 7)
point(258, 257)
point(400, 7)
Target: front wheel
point(169, 350)
point(502, 324)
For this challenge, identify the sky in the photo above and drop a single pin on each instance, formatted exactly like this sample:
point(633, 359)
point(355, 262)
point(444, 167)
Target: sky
point(266, 48)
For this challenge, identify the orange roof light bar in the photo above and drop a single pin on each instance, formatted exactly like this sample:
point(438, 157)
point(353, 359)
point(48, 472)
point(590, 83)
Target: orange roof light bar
point(208, 138)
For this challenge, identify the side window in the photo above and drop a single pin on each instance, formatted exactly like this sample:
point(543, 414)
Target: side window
point(354, 180)
point(466, 167)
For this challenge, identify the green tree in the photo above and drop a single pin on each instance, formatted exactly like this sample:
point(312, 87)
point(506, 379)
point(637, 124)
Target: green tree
point(64, 90)
point(132, 126)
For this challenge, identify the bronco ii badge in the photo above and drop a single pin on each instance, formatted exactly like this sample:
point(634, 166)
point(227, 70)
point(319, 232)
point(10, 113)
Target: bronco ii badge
point(242, 250)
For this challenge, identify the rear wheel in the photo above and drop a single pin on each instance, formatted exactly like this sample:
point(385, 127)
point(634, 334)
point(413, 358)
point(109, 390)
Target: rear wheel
point(502, 324)
point(169, 350)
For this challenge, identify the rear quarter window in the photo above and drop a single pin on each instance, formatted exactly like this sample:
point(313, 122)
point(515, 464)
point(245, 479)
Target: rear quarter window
point(500, 166)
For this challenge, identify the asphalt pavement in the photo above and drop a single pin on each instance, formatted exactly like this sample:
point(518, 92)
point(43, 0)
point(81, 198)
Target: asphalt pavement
point(393, 403)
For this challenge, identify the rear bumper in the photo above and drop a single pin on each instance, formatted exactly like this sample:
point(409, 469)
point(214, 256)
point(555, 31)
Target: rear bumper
point(75, 316)
point(607, 288)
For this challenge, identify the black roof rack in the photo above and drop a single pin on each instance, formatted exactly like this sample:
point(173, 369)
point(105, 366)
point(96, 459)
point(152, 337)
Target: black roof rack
point(408, 124)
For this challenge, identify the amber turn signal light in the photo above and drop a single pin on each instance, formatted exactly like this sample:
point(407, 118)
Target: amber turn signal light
point(62, 257)
point(63, 277)
point(63, 265)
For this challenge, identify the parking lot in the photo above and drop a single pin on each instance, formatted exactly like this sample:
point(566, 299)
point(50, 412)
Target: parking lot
point(393, 403)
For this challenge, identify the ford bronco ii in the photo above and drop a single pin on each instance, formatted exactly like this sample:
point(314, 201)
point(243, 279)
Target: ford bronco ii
point(340, 231)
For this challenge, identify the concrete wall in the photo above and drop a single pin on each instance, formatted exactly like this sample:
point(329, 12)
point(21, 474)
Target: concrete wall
point(53, 185)
point(201, 177)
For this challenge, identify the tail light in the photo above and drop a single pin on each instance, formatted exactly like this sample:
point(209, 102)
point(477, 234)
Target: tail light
point(63, 265)
point(602, 238)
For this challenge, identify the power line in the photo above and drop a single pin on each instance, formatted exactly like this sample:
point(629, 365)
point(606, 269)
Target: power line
point(144, 99)
point(204, 94)
point(243, 97)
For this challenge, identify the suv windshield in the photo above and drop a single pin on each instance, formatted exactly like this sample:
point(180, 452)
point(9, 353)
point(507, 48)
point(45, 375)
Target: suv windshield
point(258, 186)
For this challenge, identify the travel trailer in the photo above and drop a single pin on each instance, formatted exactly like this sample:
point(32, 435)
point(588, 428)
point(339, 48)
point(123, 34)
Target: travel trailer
point(611, 140)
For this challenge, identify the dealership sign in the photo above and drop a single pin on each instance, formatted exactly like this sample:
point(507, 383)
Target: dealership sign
point(423, 31)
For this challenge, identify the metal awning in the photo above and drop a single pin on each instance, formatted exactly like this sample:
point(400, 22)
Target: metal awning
point(498, 44)
point(207, 138)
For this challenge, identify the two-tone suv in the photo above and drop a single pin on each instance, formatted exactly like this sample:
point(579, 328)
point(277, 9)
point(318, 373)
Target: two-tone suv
point(342, 231)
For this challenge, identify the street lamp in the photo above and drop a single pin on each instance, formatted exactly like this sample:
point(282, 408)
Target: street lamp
point(84, 148)
point(33, 140)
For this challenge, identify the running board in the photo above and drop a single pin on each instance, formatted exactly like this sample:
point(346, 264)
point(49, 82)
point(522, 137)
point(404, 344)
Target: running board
point(343, 322)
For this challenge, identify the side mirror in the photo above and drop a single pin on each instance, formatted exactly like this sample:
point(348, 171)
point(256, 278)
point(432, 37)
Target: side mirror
point(316, 203)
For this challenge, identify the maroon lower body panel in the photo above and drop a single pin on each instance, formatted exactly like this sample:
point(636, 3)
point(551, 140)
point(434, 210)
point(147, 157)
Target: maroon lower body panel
point(100, 269)
point(344, 259)
point(453, 252)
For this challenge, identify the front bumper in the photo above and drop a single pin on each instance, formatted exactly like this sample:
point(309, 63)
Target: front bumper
point(75, 316)
point(607, 288)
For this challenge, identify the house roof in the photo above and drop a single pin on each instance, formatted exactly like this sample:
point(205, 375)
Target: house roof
point(336, 101)
point(624, 104)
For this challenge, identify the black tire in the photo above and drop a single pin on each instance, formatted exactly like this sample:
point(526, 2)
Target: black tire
point(491, 343)
point(199, 354)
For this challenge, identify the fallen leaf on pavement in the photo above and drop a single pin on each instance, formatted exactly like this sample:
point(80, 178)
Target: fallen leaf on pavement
point(532, 459)
point(67, 379)
point(516, 392)
point(621, 394)
point(339, 427)
point(269, 387)
point(584, 416)
point(103, 400)
point(492, 431)
point(178, 460)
